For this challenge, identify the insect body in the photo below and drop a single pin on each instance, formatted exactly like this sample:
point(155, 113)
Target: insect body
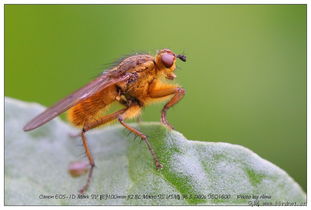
point(135, 82)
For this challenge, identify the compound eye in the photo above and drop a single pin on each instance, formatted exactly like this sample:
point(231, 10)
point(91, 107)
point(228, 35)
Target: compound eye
point(167, 60)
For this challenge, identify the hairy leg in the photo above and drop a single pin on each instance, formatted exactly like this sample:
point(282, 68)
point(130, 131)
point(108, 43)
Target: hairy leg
point(88, 126)
point(133, 111)
point(165, 90)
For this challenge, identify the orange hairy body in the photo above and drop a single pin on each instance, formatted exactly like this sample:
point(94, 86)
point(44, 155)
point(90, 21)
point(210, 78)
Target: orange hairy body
point(148, 78)
point(88, 109)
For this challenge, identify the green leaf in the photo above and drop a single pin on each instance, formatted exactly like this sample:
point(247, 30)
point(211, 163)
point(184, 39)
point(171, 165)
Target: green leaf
point(205, 173)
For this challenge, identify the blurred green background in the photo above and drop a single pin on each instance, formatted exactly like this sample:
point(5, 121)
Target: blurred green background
point(245, 75)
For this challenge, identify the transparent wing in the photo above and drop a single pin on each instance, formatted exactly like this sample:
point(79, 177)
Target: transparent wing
point(93, 87)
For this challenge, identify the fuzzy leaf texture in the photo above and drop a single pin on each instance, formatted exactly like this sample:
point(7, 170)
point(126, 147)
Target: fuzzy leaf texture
point(194, 173)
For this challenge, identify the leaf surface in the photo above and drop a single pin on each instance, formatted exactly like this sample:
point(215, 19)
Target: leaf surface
point(194, 173)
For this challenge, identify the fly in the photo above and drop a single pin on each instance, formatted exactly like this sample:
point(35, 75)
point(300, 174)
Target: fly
point(135, 82)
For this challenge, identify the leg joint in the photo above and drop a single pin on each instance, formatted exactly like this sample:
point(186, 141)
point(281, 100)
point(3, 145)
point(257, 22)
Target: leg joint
point(181, 91)
point(120, 118)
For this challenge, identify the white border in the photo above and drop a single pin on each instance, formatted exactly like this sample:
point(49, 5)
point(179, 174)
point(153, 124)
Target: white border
point(132, 2)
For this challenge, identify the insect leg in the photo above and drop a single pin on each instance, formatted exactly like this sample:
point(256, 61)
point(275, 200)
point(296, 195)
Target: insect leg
point(88, 126)
point(91, 162)
point(166, 91)
point(105, 119)
point(127, 114)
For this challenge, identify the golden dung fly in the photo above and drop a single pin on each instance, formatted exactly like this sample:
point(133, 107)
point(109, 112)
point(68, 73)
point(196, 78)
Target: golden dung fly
point(135, 82)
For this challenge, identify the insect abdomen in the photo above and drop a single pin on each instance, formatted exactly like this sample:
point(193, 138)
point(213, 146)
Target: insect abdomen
point(88, 109)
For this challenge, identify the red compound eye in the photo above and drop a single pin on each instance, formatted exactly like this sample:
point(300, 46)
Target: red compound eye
point(167, 60)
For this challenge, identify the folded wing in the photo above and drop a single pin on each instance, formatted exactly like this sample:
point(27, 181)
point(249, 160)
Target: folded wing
point(88, 90)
